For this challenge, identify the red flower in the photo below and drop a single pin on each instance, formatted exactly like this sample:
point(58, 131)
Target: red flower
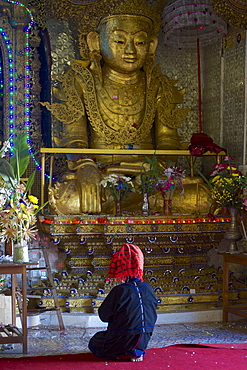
point(211, 216)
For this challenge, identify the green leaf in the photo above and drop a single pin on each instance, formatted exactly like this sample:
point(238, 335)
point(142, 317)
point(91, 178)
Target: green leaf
point(20, 158)
point(170, 163)
point(30, 181)
point(204, 178)
point(41, 207)
point(150, 161)
point(6, 170)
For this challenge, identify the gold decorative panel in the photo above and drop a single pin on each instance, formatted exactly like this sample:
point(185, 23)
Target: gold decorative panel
point(234, 100)
point(233, 11)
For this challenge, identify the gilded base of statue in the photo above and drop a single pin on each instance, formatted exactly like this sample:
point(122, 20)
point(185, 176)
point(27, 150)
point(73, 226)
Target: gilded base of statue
point(64, 199)
point(233, 235)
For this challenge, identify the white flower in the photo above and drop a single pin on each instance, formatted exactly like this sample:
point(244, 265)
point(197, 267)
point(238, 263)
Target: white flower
point(168, 171)
point(111, 179)
point(5, 148)
point(118, 185)
point(3, 200)
point(128, 180)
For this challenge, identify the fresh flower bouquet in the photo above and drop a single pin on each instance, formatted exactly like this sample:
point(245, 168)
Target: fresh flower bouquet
point(18, 209)
point(119, 186)
point(18, 217)
point(174, 177)
point(147, 179)
point(228, 185)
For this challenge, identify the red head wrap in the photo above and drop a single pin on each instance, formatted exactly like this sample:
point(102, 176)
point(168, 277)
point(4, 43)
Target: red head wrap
point(126, 263)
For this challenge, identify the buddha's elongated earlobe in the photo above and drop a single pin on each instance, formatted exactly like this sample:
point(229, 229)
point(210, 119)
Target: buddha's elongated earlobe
point(93, 41)
point(153, 45)
point(149, 62)
point(94, 55)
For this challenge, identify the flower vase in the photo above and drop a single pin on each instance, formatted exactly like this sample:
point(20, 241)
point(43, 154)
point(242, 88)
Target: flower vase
point(167, 207)
point(145, 205)
point(20, 252)
point(118, 208)
point(233, 234)
point(8, 246)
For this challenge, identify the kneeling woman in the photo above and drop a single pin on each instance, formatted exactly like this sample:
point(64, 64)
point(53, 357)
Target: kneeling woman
point(129, 309)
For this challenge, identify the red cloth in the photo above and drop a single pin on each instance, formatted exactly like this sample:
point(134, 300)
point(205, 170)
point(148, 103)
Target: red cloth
point(126, 263)
point(202, 143)
point(176, 357)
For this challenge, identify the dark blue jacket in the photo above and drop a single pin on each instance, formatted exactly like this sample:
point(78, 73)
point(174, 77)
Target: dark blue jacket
point(130, 308)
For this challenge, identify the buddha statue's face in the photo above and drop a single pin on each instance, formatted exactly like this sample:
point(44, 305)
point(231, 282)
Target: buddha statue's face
point(125, 42)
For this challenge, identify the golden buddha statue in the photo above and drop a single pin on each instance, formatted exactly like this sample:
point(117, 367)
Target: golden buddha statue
point(116, 100)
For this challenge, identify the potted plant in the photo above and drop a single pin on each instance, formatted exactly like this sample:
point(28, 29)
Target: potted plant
point(147, 180)
point(173, 177)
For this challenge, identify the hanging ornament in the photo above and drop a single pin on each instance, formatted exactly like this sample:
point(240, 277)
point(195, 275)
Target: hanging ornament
point(190, 24)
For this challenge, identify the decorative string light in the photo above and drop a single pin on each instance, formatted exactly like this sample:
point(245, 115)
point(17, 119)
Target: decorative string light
point(1, 83)
point(11, 85)
point(27, 86)
point(135, 221)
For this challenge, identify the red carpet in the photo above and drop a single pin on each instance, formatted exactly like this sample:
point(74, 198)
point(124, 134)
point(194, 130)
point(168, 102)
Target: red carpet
point(187, 357)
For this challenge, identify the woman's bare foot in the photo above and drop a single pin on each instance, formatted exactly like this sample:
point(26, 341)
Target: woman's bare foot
point(135, 359)
point(130, 358)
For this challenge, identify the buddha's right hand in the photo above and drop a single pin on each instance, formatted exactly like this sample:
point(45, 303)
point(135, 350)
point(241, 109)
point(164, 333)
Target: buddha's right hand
point(88, 178)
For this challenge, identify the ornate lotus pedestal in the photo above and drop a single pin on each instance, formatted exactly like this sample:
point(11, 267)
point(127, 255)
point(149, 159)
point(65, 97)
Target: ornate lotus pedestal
point(176, 259)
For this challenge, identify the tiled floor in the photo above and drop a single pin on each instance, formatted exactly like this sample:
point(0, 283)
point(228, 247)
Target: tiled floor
point(49, 340)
